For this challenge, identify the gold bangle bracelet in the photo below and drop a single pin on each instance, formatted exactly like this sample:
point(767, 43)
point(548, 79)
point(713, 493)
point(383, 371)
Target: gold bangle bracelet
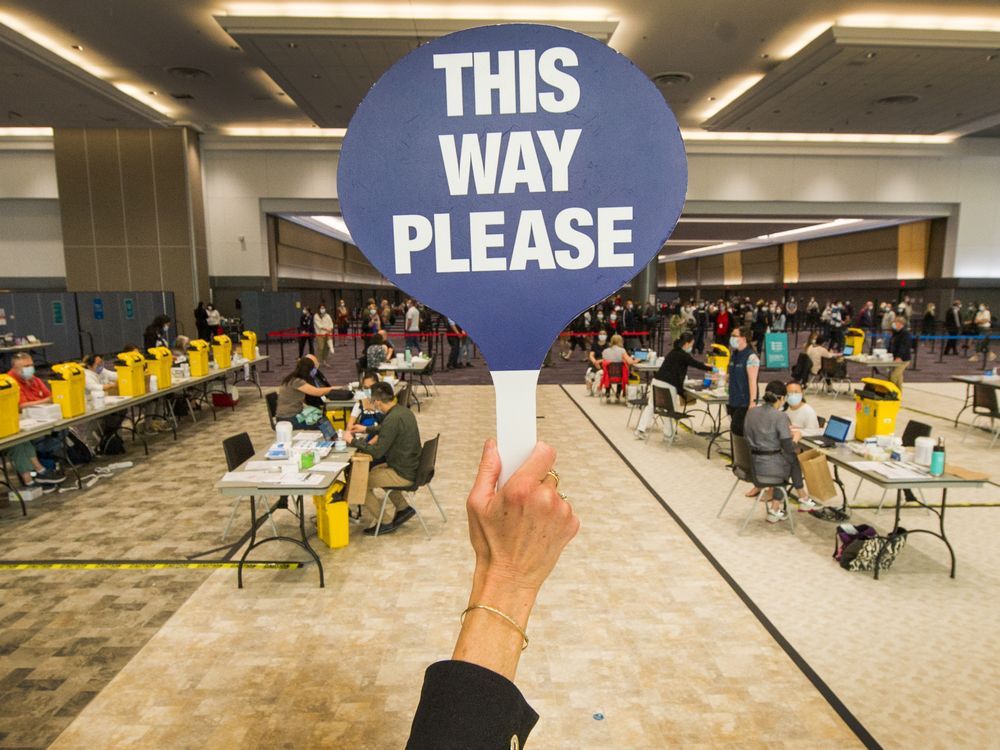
point(497, 612)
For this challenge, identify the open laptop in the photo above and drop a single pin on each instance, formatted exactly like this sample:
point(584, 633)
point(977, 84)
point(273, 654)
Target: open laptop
point(848, 351)
point(640, 355)
point(837, 430)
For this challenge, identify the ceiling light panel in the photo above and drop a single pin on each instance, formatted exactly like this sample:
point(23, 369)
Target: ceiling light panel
point(835, 83)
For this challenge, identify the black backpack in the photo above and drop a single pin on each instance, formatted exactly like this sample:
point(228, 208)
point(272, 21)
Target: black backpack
point(111, 444)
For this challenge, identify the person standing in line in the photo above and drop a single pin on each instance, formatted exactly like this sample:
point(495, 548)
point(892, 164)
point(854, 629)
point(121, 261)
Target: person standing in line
point(953, 327)
point(201, 322)
point(411, 326)
point(791, 310)
point(929, 322)
point(744, 365)
point(323, 327)
point(901, 348)
point(722, 324)
point(343, 318)
point(455, 334)
point(214, 320)
point(984, 323)
point(305, 331)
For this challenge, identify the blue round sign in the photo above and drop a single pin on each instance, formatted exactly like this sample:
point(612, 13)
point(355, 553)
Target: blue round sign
point(509, 177)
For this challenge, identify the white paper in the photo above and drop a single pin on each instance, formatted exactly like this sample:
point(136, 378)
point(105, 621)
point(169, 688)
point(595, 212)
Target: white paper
point(270, 466)
point(329, 467)
point(274, 479)
point(300, 435)
point(891, 470)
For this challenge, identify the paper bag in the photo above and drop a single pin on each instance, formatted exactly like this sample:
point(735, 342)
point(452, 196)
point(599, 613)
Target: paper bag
point(816, 472)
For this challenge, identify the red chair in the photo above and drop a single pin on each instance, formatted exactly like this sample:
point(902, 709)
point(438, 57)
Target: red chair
point(613, 373)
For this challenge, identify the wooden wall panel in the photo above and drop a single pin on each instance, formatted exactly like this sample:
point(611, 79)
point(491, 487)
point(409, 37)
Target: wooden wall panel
point(761, 266)
point(913, 242)
point(712, 270)
point(668, 274)
point(790, 262)
point(733, 268)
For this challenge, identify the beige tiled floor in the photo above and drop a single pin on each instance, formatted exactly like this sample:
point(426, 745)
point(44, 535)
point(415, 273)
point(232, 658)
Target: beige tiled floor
point(634, 624)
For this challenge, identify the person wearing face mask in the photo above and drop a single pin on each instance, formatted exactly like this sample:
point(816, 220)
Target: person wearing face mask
point(292, 403)
point(577, 327)
point(214, 319)
point(157, 333)
point(593, 376)
point(306, 332)
point(722, 324)
point(773, 449)
point(901, 349)
point(672, 373)
point(27, 456)
point(953, 327)
point(744, 364)
point(984, 323)
point(323, 327)
point(98, 378)
point(399, 444)
point(201, 322)
point(800, 414)
point(364, 414)
point(599, 322)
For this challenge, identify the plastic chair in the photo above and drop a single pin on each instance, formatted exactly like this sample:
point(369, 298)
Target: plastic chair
point(613, 373)
point(834, 370)
point(239, 450)
point(639, 402)
point(984, 404)
point(665, 406)
point(744, 472)
point(271, 399)
point(425, 473)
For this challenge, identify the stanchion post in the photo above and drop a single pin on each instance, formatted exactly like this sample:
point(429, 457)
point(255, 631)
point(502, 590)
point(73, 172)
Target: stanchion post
point(267, 350)
point(916, 352)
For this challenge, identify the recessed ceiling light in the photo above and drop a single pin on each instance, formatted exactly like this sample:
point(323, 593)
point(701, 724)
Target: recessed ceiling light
point(672, 79)
point(317, 76)
point(293, 45)
point(154, 93)
point(870, 55)
point(991, 58)
point(78, 47)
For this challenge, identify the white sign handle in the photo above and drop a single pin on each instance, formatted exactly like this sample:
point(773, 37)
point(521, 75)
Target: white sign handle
point(516, 410)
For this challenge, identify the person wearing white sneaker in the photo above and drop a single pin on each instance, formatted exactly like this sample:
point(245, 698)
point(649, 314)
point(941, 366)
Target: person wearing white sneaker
point(773, 448)
point(672, 372)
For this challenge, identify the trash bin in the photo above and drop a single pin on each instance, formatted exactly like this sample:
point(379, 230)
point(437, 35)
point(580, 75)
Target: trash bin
point(70, 391)
point(718, 358)
point(855, 338)
point(10, 395)
point(198, 357)
point(159, 365)
point(877, 405)
point(248, 345)
point(131, 369)
point(222, 351)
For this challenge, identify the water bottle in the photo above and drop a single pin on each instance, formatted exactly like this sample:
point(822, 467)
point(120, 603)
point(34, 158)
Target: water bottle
point(937, 459)
point(408, 356)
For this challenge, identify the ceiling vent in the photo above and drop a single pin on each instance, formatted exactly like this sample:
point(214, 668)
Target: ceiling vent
point(188, 73)
point(665, 80)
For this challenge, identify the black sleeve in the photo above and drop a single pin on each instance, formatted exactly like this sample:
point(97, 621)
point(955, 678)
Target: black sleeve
point(692, 362)
point(467, 707)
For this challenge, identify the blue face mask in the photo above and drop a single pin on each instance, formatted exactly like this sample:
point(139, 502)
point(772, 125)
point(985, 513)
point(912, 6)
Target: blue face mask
point(794, 399)
point(28, 372)
point(734, 342)
point(99, 369)
point(366, 392)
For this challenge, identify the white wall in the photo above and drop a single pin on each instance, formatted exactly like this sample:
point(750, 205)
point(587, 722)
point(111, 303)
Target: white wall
point(30, 228)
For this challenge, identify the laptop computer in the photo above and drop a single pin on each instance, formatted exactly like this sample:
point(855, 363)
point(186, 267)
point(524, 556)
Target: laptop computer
point(837, 430)
point(848, 351)
point(640, 355)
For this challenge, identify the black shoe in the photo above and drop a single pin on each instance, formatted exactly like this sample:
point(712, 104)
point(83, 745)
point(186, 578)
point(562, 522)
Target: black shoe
point(386, 528)
point(468, 364)
point(402, 516)
point(49, 477)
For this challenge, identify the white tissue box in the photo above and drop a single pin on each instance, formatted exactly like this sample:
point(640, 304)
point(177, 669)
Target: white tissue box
point(43, 412)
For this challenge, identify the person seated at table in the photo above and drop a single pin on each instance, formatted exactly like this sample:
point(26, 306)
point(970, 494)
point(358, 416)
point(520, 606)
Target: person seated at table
point(672, 372)
point(615, 352)
point(773, 448)
point(800, 414)
point(292, 406)
point(593, 377)
point(180, 350)
point(27, 457)
point(390, 349)
point(399, 444)
point(377, 352)
point(363, 413)
point(98, 378)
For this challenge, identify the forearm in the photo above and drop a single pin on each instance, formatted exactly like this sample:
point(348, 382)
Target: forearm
point(488, 640)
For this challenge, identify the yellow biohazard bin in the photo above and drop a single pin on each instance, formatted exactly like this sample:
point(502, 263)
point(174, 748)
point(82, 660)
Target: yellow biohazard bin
point(877, 405)
point(248, 345)
point(10, 395)
point(331, 517)
point(198, 358)
point(719, 358)
point(131, 369)
point(159, 364)
point(855, 338)
point(70, 391)
point(222, 351)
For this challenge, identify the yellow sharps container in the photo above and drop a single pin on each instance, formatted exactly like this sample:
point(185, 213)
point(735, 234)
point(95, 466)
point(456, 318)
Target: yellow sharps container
point(719, 358)
point(248, 345)
point(159, 364)
point(877, 405)
point(70, 392)
point(10, 395)
point(222, 351)
point(332, 525)
point(131, 369)
point(855, 338)
point(198, 358)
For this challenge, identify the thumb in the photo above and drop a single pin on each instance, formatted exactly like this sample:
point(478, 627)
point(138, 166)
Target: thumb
point(489, 471)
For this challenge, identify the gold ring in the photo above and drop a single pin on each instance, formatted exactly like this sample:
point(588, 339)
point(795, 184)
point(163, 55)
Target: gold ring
point(564, 496)
point(552, 473)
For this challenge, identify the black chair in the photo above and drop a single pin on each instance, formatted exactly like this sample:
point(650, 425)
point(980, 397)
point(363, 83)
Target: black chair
point(802, 369)
point(239, 450)
point(833, 370)
point(425, 473)
point(272, 407)
point(665, 407)
point(744, 472)
point(638, 402)
point(984, 404)
point(427, 376)
point(821, 421)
